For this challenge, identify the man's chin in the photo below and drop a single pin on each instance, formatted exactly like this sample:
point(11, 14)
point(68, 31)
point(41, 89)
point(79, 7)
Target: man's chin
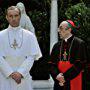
point(14, 25)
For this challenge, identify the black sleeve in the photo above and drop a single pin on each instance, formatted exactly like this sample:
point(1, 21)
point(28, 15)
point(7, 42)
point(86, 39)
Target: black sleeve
point(53, 62)
point(79, 62)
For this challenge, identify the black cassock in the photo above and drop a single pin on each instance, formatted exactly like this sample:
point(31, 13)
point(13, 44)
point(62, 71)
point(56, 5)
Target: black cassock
point(76, 54)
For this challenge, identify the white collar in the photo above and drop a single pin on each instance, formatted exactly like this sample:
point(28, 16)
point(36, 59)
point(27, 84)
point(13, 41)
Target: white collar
point(67, 38)
point(14, 28)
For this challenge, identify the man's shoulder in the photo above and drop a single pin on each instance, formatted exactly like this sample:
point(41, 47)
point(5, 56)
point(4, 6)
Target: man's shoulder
point(57, 44)
point(3, 31)
point(77, 39)
point(2, 34)
point(28, 33)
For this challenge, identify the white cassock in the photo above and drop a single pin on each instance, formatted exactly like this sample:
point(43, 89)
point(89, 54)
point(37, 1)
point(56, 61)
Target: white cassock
point(18, 50)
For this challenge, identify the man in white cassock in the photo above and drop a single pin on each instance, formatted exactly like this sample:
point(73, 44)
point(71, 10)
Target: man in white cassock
point(18, 50)
point(25, 20)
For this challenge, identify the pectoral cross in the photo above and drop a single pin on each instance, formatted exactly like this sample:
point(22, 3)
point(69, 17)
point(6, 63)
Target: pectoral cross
point(15, 44)
point(65, 55)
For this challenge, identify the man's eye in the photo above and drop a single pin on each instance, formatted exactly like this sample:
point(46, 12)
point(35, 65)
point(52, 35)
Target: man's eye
point(10, 16)
point(16, 15)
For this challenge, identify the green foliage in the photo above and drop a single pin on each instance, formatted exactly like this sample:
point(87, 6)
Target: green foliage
point(3, 22)
point(41, 23)
point(79, 13)
point(40, 16)
point(63, 5)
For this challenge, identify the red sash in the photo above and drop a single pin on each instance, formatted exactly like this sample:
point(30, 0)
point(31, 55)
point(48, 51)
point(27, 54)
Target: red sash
point(76, 83)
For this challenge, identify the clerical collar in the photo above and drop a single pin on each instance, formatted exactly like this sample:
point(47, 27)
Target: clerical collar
point(14, 28)
point(13, 35)
point(67, 38)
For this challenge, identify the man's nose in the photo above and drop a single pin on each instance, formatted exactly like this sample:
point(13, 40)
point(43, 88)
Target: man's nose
point(13, 17)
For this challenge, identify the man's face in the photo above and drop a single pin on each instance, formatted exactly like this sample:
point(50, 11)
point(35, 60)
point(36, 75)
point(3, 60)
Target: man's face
point(63, 30)
point(13, 17)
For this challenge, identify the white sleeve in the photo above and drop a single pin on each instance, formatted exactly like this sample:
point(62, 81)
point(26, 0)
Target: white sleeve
point(33, 47)
point(5, 67)
point(26, 66)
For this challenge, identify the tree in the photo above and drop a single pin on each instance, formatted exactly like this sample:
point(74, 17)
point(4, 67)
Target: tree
point(79, 13)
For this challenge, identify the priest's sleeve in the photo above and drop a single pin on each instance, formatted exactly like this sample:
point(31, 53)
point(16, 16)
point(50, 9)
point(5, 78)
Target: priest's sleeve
point(26, 66)
point(5, 67)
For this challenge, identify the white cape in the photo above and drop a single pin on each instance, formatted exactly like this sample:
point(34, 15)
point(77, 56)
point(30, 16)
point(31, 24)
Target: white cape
point(18, 59)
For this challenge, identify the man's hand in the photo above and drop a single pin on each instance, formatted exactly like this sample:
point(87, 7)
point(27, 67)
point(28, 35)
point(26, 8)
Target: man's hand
point(61, 79)
point(17, 77)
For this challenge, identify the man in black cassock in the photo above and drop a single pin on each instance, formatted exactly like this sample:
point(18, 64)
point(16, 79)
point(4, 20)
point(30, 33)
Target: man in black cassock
point(68, 59)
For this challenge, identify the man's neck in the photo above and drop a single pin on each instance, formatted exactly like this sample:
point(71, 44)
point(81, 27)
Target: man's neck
point(67, 37)
point(14, 28)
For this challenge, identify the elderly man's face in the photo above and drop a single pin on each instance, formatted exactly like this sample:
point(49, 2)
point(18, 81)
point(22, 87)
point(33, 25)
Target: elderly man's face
point(63, 30)
point(13, 17)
